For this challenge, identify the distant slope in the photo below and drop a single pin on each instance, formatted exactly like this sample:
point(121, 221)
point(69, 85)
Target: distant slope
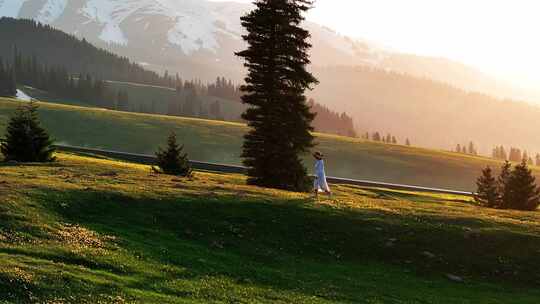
point(148, 99)
point(431, 113)
point(156, 97)
point(221, 142)
point(53, 47)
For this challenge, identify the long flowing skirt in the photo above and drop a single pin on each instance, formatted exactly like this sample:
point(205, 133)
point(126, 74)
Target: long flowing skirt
point(320, 183)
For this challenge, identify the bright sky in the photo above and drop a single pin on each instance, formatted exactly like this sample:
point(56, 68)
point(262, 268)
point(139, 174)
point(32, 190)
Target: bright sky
point(501, 37)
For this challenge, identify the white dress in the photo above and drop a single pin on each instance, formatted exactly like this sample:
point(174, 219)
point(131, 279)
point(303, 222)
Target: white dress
point(320, 177)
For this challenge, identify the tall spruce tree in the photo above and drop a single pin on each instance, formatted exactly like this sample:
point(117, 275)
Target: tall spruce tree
point(487, 194)
point(25, 139)
point(278, 114)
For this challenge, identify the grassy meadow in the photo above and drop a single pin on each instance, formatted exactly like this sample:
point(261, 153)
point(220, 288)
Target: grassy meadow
point(87, 230)
point(221, 142)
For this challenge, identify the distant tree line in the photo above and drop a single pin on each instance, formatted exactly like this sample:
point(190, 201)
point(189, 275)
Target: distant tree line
point(515, 155)
point(380, 137)
point(55, 80)
point(188, 102)
point(466, 149)
point(56, 48)
point(225, 89)
point(8, 81)
point(330, 121)
point(42, 57)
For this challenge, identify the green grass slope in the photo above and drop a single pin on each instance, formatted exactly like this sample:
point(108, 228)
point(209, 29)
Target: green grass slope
point(85, 230)
point(215, 141)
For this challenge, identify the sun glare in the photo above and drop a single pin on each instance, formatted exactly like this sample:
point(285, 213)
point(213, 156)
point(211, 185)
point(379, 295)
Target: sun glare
point(498, 36)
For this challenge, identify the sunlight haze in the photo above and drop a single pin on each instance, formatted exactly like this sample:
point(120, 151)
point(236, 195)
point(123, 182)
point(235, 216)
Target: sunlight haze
point(499, 37)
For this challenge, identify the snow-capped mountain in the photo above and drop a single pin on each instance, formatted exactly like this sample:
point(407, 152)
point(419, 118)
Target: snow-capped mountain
point(198, 38)
point(177, 34)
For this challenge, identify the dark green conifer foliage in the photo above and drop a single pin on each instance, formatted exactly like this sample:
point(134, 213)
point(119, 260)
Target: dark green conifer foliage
point(487, 194)
point(522, 193)
point(12, 83)
point(8, 82)
point(278, 114)
point(173, 161)
point(26, 140)
point(502, 183)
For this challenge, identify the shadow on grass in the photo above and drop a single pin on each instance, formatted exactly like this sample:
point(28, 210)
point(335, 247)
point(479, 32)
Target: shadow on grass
point(291, 245)
point(264, 230)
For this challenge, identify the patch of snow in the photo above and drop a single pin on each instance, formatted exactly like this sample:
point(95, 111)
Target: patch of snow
point(51, 10)
point(194, 24)
point(193, 32)
point(110, 15)
point(11, 8)
point(22, 96)
point(113, 33)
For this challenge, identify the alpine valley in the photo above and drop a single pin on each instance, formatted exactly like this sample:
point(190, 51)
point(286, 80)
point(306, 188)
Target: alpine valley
point(198, 39)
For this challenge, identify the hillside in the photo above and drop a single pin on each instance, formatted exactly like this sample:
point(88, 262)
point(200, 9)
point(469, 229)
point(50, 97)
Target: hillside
point(50, 64)
point(220, 142)
point(431, 113)
point(87, 230)
point(149, 99)
point(39, 44)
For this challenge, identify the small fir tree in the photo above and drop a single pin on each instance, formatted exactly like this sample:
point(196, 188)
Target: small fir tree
point(25, 139)
point(487, 194)
point(522, 193)
point(172, 161)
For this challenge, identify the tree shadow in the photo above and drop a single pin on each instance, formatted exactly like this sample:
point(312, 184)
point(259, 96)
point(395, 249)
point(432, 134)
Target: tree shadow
point(237, 236)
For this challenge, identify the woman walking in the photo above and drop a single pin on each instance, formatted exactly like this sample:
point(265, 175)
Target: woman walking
point(320, 183)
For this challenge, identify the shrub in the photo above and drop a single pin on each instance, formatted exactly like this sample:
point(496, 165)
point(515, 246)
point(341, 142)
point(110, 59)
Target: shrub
point(26, 140)
point(172, 161)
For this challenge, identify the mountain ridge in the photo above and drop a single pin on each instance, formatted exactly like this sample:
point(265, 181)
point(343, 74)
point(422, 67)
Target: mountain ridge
point(198, 38)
